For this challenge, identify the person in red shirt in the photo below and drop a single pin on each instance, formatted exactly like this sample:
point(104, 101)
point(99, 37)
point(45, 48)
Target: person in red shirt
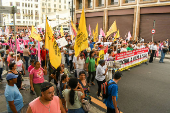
point(43, 54)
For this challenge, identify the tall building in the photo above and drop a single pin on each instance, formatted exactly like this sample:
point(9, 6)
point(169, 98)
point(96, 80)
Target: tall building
point(52, 6)
point(31, 12)
point(136, 16)
point(1, 22)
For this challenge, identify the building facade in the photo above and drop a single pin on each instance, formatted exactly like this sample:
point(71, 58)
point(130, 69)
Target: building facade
point(136, 16)
point(31, 12)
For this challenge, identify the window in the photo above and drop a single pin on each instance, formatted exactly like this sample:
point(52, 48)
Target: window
point(59, 6)
point(18, 17)
point(22, 4)
point(54, 0)
point(43, 10)
point(28, 5)
point(48, 4)
point(59, 1)
point(36, 0)
point(25, 4)
point(64, 7)
point(23, 22)
point(23, 11)
point(23, 17)
point(49, 10)
point(54, 5)
point(17, 4)
point(129, 1)
point(65, 1)
point(18, 11)
point(90, 2)
point(31, 5)
point(55, 10)
point(36, 12)
point(11, 4)
point(101, 3)
point(36, 5)
point(80, 4)
point(42, 4)
point(31, 12)
point(113, 2)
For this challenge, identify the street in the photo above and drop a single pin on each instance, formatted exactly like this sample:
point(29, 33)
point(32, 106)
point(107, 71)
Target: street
point(143, 89)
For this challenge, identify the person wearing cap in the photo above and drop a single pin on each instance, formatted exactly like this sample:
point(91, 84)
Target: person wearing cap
point(100, 76)
point(12, 94)
point(46, 102)
point(111, 100)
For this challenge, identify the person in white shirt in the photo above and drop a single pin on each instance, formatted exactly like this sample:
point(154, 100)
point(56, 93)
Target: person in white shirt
point(80, 64)
point(1, 68)
point(153, 49)
point(123, 49)
point(100, 76)
point(75, 65)
point(71, 53)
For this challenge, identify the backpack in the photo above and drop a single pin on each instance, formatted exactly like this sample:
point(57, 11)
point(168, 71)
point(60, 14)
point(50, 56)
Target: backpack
point(104, 88)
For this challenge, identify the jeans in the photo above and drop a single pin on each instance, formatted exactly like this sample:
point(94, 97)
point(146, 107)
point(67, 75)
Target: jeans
point(89, 77)
point(99, 86)
point(67, 59)
point(1, 70)
point(80, 110)
point(162, 56)
point(33, 57)
point(26, 58)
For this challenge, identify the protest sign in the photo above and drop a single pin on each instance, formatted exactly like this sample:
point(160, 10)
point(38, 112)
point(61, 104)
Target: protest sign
point(62, 42)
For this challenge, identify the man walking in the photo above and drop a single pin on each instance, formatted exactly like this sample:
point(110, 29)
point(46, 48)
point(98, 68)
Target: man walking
point(13, 96)
point(47, 102)
point(153, 49)
point(111, 100)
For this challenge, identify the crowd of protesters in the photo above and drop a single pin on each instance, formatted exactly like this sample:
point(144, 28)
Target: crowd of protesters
point(74, 81)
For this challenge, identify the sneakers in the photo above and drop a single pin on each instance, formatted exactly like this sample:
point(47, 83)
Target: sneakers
point(99, 97)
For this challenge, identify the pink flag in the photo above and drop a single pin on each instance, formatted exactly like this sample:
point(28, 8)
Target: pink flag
point(129, 35)
point(89, 30)
point(114, 34)
point(102, 32)
point(39, 58)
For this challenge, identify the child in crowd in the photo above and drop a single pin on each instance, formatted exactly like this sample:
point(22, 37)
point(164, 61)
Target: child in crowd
point(29, 70)
point(66, 71)
point(63, 85)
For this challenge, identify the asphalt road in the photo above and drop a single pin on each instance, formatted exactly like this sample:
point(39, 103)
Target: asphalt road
point(143, 89)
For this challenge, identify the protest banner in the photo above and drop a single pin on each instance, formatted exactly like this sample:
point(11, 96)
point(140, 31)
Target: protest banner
point(131, 58)
point(128, 59)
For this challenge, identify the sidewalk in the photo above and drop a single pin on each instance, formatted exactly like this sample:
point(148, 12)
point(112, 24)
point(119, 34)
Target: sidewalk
point(167, 56)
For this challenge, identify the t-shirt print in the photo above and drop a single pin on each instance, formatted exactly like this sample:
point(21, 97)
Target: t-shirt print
point(39, 73)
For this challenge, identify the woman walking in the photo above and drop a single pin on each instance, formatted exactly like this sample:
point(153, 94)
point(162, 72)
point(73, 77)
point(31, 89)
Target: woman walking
point(73, 97)
point(37, 78)
point(26, 54)
point(100, 76)
point(90, 68)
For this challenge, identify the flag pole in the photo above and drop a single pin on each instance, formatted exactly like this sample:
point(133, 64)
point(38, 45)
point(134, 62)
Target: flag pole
point(45, 42)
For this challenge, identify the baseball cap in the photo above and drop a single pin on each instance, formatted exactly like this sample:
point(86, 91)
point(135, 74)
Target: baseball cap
point(100, 46)
point(117, 75)
point(11, 76)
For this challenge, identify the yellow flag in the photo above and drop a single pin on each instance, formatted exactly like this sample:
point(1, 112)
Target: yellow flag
point(96, 33)
point(112, 29)
point(54, 50)
point(61, 31)
point(81, 42)
point(101, 56)
point(34, 34)
point(117, 35)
